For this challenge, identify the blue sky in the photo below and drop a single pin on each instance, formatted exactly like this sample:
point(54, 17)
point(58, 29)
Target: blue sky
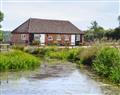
point(80, 13)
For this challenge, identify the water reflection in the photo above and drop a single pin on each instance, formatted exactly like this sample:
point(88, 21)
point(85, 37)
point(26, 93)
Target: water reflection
point(73, 83)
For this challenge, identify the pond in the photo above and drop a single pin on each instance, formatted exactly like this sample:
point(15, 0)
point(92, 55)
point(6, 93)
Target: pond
point(55, 79)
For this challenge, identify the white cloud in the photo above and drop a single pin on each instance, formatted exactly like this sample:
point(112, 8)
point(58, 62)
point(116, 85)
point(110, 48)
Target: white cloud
point(79, 13)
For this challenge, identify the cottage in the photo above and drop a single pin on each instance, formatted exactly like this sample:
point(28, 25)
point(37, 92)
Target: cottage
point(47, 32)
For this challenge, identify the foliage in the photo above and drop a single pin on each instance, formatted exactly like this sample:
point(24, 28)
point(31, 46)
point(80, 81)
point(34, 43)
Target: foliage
point(107, 63)
point(42, 52)
point(58, 55)
point(36, 42)
point(18, 47)
point(1, 19)
point(17, 60)
point(88, 55)
point(74, 54)
point(95, 32)
point(119, 20)
point(113, 34)
point(1, 36)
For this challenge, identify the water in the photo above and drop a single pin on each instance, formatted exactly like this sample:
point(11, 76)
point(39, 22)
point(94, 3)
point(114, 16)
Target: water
point(73, 83)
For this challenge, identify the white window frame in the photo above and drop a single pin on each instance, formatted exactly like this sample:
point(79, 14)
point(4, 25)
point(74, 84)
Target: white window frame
point(23, 37)
point(77, 37)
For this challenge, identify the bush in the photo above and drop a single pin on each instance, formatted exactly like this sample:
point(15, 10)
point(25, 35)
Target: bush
point(73, 54)
point(58, 55)
point(88, 55)
point(17, 60)
point(36, 42)
point(107, 63)
point(42, 52)
point(18, 47)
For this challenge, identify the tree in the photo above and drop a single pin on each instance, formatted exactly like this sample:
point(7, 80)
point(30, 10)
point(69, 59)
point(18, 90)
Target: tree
point(94, 25)
point(119, 20)
point(1, 19)
point(97, 31)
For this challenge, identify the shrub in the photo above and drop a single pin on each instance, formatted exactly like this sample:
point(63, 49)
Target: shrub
point(88, 55)
point(18, 47)
point(17, 60)
point(35, 43)
point(41, 52)
point(107, 63)
point(73, 54)
point(58, 55)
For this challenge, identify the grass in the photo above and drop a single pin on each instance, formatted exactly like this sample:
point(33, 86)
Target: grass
point(17, 60)
point(107, 63)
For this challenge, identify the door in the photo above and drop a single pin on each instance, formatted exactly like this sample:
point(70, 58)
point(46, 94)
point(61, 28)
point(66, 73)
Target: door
point(31, 38)
point(42, 39)
point(72, 39)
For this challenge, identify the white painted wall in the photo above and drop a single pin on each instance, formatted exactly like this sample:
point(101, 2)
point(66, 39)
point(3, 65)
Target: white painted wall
point(72, 39)
point(42, 39)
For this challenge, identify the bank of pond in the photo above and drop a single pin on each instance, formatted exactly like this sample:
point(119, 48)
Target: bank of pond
point(103, 60)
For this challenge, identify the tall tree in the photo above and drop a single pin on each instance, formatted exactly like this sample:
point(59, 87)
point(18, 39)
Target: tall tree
point(94, 25)
point(98, 31)
point(119, 20)
point(1, 19)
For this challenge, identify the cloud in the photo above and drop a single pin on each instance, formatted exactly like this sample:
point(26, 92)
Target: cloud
point(81, 14)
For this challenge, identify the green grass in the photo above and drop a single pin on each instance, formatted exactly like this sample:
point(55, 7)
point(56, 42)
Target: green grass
point(107, 63)
point(17, 60)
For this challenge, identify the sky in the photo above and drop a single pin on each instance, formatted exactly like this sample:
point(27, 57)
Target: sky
point(80, 12)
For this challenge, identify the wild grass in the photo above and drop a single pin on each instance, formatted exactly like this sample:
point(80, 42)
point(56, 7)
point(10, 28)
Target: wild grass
point(107, 63)
point(17, 60)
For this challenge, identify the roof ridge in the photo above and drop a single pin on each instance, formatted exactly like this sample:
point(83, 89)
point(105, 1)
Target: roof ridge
point(49, 19)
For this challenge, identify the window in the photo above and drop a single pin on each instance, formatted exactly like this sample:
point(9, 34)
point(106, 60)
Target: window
point(77, 37)
point(66, 37)
point(23, 37)
point(36, 37)
point(50, 38)
point(58, 37)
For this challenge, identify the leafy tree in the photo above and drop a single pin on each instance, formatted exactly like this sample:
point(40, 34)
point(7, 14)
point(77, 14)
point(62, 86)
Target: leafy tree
point(113, 34)
point(119, 20)
point(94, 32)
point(1, 19)
point(116, 33)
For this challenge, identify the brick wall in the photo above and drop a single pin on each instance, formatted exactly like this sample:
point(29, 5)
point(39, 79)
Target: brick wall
point(16, 38)
point(55, 40)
